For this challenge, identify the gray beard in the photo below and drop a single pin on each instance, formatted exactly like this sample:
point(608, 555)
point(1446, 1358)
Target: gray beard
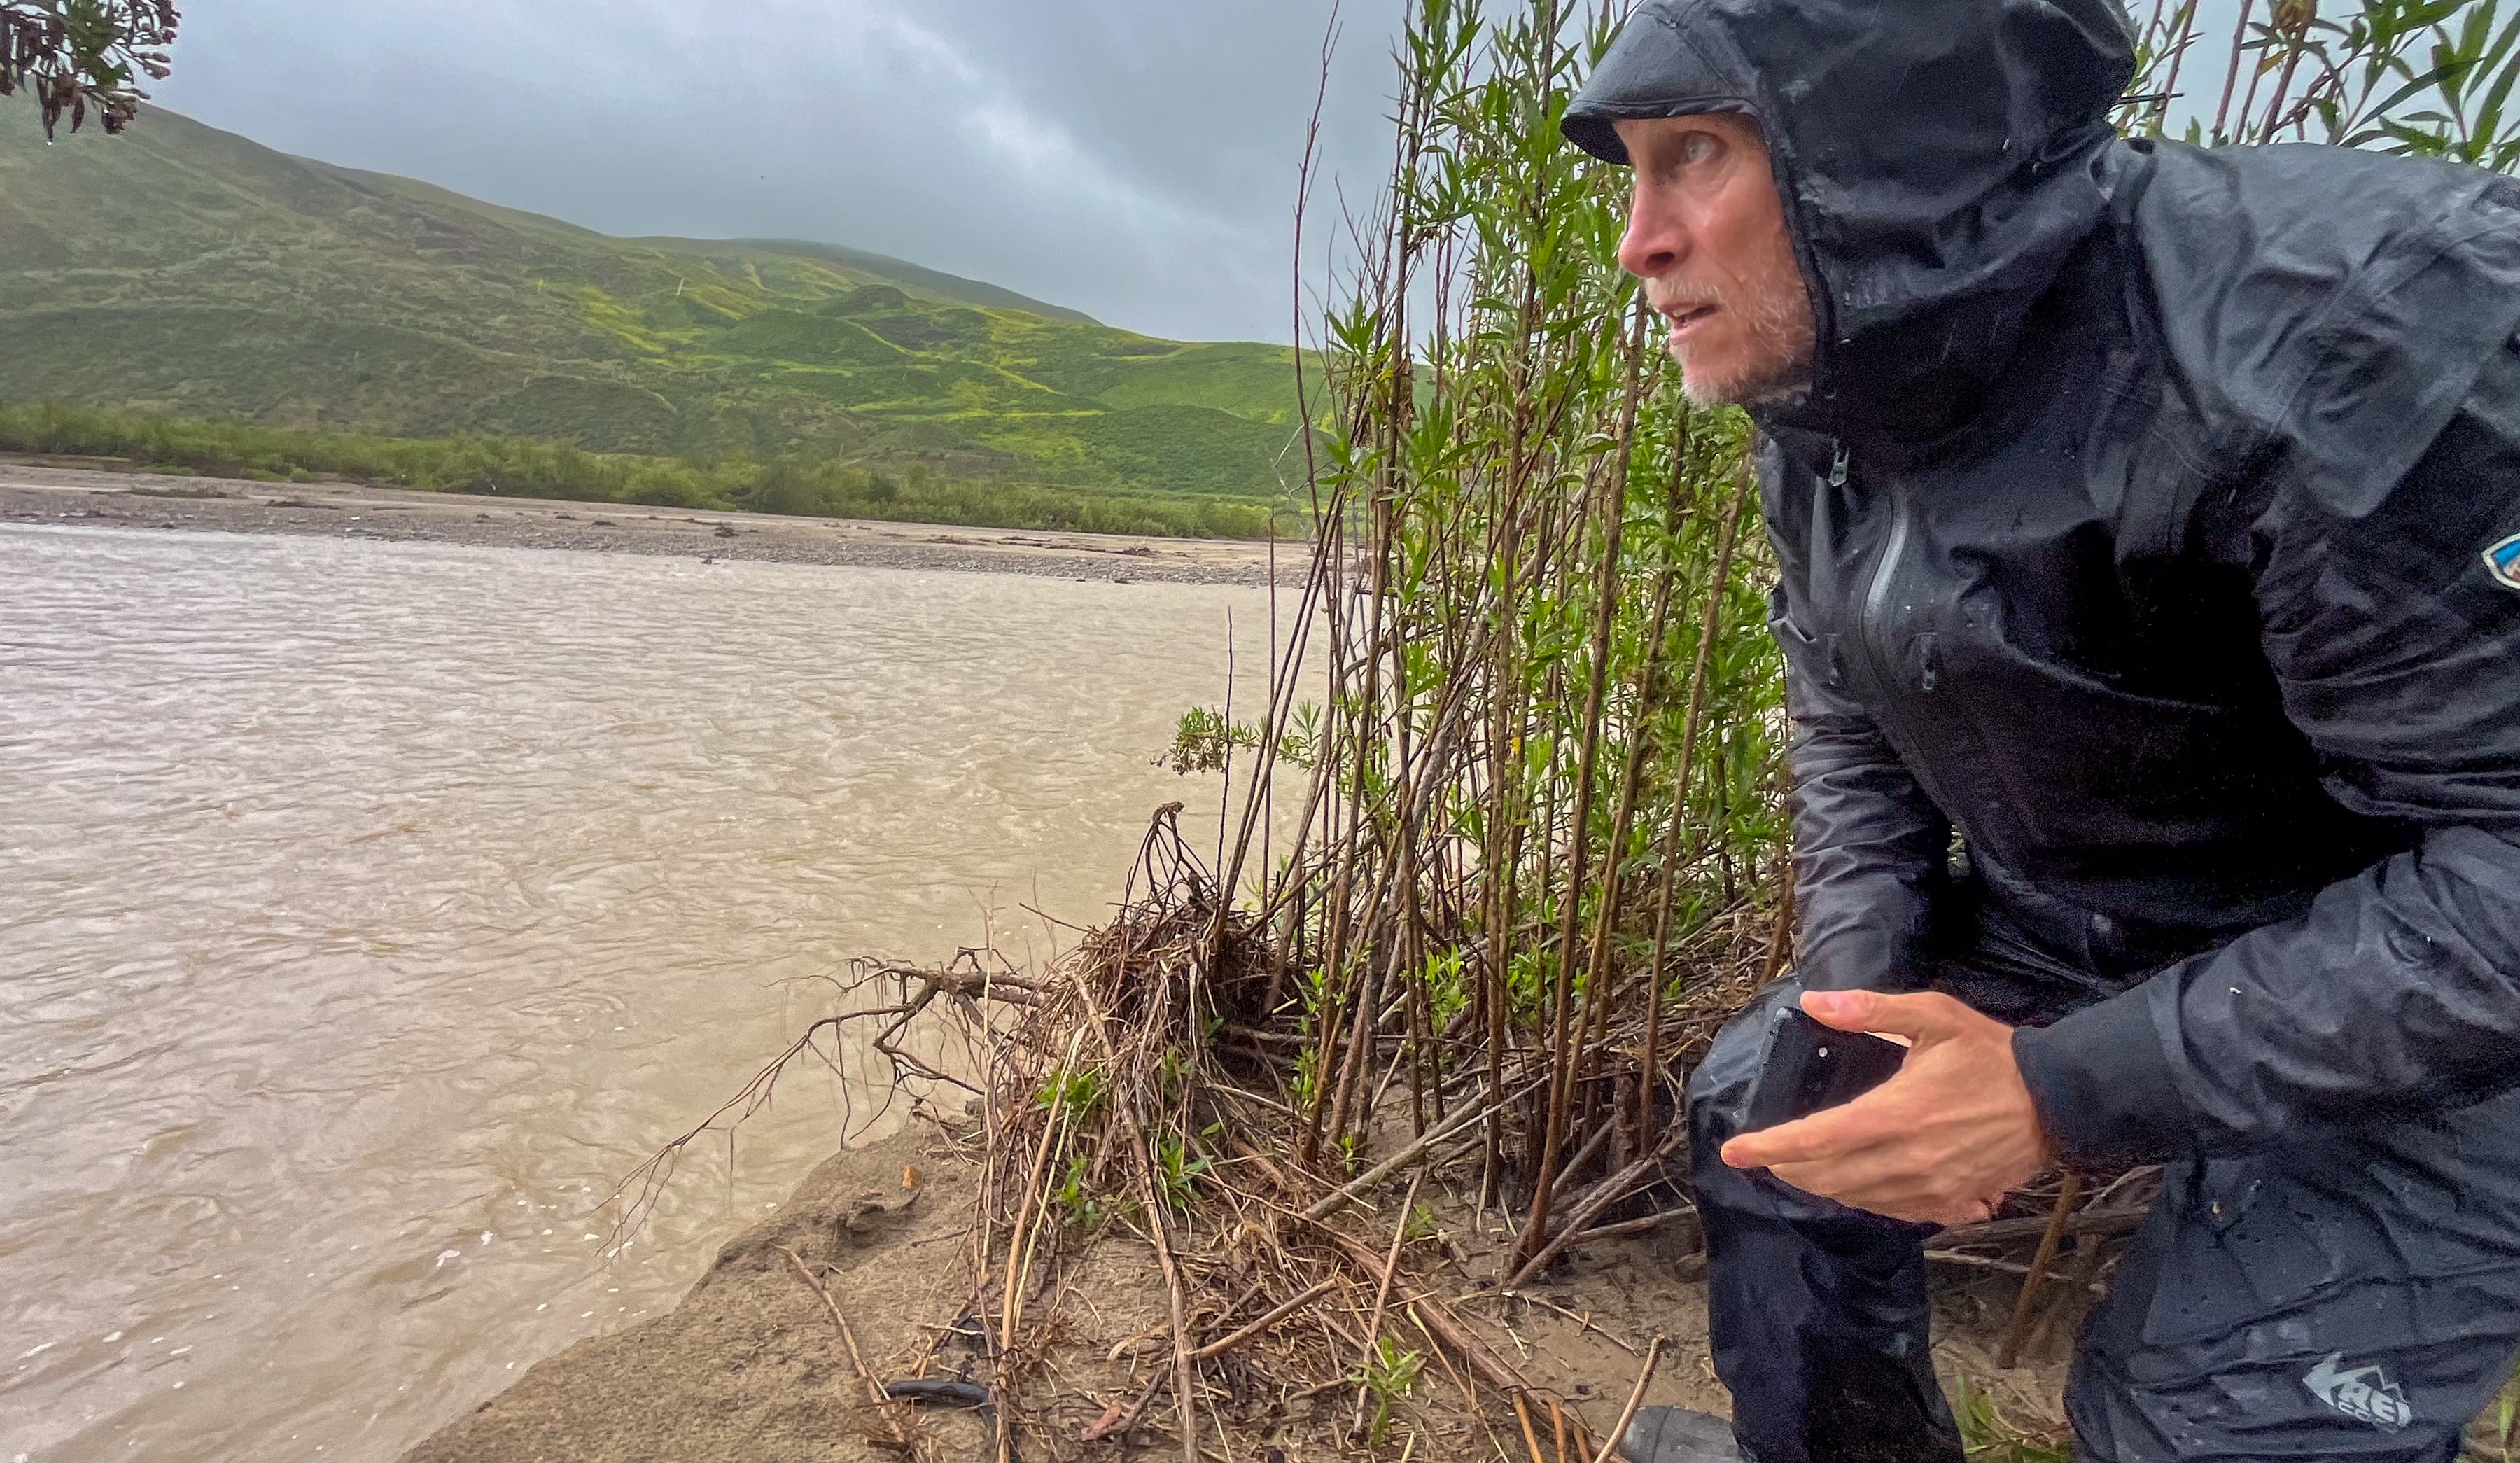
point(1787, 331)
point(1781, 388)
point(1787, 385)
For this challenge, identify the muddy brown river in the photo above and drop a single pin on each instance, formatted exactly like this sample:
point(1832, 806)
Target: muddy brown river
point(367, 910)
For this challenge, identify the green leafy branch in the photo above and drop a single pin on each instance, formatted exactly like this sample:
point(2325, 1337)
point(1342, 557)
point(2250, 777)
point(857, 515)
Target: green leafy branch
point(74, 55)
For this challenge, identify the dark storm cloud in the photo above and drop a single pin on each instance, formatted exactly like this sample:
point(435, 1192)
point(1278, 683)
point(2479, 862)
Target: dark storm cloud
point(1132, 158)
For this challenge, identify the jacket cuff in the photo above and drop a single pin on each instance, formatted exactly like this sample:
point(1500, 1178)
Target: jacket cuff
point(2106, 1093)
point(1864, 956)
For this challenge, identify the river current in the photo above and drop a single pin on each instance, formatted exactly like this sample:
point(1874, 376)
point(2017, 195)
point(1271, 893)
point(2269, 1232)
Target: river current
point(367, 910)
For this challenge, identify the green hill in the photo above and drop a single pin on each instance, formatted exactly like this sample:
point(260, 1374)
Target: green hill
point(179, 269)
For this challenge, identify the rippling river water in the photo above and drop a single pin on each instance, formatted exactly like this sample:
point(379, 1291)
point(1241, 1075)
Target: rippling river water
point(366, 909)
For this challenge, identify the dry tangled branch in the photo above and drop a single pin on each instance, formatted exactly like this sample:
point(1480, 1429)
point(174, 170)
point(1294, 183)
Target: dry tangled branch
point(974, 978)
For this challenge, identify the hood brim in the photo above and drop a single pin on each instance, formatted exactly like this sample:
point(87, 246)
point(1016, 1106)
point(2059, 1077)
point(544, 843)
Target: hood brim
point(1654, 71)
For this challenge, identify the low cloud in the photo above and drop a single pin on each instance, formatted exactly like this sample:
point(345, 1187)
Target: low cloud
point(1132, 158)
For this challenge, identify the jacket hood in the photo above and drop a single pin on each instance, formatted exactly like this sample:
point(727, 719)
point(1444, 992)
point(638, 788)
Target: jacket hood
point(1937, 158)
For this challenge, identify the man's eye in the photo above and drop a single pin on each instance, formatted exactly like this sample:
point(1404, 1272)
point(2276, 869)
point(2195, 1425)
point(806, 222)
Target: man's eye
point(1697, 147)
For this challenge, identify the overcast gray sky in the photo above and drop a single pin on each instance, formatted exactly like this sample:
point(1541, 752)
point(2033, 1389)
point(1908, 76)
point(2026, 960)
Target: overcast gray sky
point(1130, 158)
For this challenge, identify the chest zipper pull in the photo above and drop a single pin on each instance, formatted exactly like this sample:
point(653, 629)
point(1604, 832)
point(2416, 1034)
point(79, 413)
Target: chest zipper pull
point(1837, 468)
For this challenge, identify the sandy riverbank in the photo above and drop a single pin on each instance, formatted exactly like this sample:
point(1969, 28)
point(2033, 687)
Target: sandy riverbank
point(55, 490)
point(752, 1369)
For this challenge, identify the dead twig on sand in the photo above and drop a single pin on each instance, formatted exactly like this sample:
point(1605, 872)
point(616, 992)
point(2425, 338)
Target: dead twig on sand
point(1280, 1312)
point(879, 1399)
point(1383, 1291)
point(1636, 1397)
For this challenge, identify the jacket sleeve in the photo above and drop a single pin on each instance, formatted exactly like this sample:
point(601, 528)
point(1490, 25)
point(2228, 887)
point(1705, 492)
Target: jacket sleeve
point(2396, 994)
point(1870, 848)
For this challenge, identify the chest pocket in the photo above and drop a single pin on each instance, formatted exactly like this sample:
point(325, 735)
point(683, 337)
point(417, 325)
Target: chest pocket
point(1815, 659)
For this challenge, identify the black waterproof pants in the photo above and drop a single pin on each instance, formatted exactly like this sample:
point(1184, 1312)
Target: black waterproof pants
point(2354, 1294)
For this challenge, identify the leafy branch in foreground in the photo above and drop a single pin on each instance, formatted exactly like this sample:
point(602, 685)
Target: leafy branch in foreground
point(1206, 739)
point(74, 55)
point(2432, 78)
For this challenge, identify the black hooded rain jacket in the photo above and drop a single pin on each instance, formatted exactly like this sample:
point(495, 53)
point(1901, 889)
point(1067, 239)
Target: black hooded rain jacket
point(2150, 521)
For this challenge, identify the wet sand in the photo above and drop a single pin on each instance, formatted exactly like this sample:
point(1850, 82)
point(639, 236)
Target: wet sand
point(63, 490)
point(751, 1368)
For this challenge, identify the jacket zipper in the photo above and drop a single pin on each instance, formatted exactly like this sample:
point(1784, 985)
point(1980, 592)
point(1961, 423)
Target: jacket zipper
point(1885, 573)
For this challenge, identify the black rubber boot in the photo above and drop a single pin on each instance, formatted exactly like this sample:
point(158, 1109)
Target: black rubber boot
point(1676, 1435)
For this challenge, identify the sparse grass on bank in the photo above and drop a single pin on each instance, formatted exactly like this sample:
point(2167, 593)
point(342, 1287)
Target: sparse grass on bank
point(527, 467)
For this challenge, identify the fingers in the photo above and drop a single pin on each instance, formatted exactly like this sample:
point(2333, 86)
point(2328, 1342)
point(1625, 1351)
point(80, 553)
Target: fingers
point(1925, 1016)
point(1786, 1144)
point(1917, 1199)
point(1867, 1121)
point(1846, 1010)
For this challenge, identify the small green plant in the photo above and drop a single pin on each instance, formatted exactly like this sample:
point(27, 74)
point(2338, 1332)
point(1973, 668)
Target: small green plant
point(1177, 1174)
point(1316, 986)
point(1448, 991)
point(1387, 1375)
point(1205, 740)
point(1072, 1093)
point(1526, 978)
point(1986, 1433)
point(1075, 1195)
point(1307, 1080)
point(1302, 742)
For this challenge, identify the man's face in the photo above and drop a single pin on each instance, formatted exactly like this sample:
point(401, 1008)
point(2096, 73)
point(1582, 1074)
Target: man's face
point(1707, 234)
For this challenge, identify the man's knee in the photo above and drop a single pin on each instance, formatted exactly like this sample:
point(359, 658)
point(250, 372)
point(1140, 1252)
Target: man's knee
point(1817, 1312)
point(1721, 1089)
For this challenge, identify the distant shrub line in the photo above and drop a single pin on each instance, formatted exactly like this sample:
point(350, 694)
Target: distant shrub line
point(527, 467)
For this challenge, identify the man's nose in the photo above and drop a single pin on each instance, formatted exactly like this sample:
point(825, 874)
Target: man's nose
point(1656, 239)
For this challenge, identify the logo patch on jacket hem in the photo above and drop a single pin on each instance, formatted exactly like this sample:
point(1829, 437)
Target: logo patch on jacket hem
point(2502, 561)
point(2365, 1393)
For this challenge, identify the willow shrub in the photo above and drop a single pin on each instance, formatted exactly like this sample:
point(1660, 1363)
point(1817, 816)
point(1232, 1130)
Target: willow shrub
point(1545, 790)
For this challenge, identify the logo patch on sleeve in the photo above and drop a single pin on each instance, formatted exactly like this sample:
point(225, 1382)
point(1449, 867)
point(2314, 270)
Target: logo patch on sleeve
point(2502, 561)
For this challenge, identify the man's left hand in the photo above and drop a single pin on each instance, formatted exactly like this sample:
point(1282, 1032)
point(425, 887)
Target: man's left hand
point(1941, 1143)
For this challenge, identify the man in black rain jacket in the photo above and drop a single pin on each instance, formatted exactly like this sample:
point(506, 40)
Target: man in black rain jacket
point(2151, 517)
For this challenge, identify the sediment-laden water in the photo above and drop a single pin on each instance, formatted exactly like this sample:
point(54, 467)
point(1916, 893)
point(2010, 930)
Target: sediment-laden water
point(367, 910)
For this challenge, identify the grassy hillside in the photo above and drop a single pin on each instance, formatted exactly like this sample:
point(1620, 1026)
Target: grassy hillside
point(183, 270)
